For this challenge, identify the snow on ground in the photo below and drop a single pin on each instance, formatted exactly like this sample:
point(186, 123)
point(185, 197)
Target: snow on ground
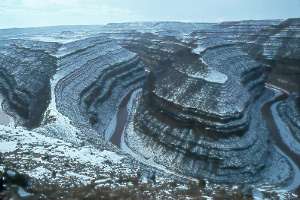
point(285, 132)
point(211, 75)
point(44, 155)
point(63, 124)
point(62, 39)
point(131, 106)
point(56, 161)
point(4, 120)
point(296, 181)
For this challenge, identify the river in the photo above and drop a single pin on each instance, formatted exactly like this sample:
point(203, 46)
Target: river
point(276, 133)
point(115, 132)
point(118, 122)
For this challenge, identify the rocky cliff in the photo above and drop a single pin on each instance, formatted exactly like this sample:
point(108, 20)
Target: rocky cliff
point(278, 46)
point(200, 116)
point(204, 101)
point(20, 60)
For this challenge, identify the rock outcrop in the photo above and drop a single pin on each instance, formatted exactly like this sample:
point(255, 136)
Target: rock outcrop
point(25, 71)
point(199, 116)
point(289, 112)
point(76, 85)
point(201, 110)
point(96, 74)
point(279, 47)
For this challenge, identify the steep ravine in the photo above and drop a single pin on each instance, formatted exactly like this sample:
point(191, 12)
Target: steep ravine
point(275, 131)
point(28, 97)
point(146, 104)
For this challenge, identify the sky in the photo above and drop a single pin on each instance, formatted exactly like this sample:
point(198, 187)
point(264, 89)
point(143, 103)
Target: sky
point(35, 13)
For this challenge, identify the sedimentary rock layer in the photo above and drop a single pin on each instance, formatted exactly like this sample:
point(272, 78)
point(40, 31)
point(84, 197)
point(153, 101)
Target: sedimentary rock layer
point(212, 128)
point(279, 47)
point(173, 115)
point(203, 87)
point(95, 79)
point(289, 113)
point(25, 71)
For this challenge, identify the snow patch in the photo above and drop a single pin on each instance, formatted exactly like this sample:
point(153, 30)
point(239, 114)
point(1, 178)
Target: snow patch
point(23, 193)
point(284, 130)
point(40, 173)
point(46, 151)
point(62, 123)
point(211, 75)
point(198, 50)
point(8, 146)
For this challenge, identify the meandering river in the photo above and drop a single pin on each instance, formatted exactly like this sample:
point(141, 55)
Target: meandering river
point(277, 133)
point(118, 122)
point(115, 132)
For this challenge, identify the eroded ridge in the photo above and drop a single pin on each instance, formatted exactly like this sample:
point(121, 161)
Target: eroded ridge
point(93, 76)
point(20, 60)
point(289, 113)
point(215, 131)
point(198, 101)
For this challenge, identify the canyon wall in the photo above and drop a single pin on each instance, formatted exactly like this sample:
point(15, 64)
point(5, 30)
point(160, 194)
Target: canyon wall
point(203, 91)
point(25, 70)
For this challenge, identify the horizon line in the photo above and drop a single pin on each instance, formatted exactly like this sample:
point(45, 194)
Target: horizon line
point(164, 21)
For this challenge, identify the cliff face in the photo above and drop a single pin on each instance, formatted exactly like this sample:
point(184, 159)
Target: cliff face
point(81, 80)
point(201, 109)
point(19, 61)
point(94, 76)
point(279, 47)
point(198, 115)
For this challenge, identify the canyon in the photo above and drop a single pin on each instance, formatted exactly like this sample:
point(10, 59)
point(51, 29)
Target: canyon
point(193, 109)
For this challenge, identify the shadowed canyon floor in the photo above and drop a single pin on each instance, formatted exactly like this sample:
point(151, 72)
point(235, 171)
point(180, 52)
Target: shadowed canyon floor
point(151, 110)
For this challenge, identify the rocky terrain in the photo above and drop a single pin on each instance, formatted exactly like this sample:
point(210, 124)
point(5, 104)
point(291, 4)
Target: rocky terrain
point(151, 110)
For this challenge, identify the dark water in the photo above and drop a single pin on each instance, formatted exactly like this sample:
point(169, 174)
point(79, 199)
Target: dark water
point(275, 134)
point(122, 116)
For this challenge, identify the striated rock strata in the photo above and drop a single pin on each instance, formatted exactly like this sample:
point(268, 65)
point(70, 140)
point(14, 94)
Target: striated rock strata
point(29, 97)
point(279, 47)
point(200, 113)
point(289, 113)
point(199, 116)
